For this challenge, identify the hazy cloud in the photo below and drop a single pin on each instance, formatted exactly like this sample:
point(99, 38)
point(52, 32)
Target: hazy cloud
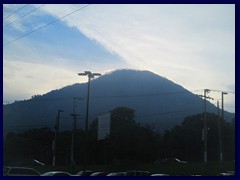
point(192, 45)
point(162, 38)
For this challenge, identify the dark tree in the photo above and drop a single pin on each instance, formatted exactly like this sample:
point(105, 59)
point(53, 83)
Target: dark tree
point(127, 141)
point(185, 141)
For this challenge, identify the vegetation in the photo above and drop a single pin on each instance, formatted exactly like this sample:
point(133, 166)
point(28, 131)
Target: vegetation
point(128, 145)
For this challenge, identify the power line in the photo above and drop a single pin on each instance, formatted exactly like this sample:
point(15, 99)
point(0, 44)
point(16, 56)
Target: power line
point(168, 112)
point(8, 8)
point(23, 15)
point(232, 92)
point(5, 7)
point(143, 95)
point(48, 124)
point(27, 127)
point(44, 125)
point(113, 96)
point(15, 11)
point(232, 106)
point(44, 25)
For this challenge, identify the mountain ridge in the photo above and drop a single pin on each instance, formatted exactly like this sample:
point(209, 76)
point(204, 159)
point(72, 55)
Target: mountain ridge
point(156, 100)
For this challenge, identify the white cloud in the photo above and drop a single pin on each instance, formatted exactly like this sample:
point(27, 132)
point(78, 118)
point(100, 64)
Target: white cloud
point(193, 45)
point(175, 41)
point(28, 75)
point(31, 78)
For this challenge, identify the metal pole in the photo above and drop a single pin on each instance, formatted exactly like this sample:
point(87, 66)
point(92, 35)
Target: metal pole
point(55, 139)
point(219, 135)
point(90, 75)
point(86, 124)
point(55, 143)
point(205, 126)
point(73, 133)
point(222, 119)
point(87, 109)
point(223, 93)
point(73, 140)
point(222, 108)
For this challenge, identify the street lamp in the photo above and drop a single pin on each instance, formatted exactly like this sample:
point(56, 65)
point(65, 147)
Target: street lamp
point(90, 75)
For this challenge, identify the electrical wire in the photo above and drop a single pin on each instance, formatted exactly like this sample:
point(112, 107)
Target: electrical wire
point(168, 112)
point(144, 95)
point(9, 42)
point(231, 92)
point(23, 16)
point(139, 116)
point(7, 8)
point(15, 11)
point(113, 96)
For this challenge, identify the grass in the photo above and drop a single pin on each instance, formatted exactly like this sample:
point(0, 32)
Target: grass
point(174, 169)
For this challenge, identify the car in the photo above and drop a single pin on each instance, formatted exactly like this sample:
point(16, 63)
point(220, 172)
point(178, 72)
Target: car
point(226, 174)
point(196, 175)
point(98, 174)
point(117, 174)
point(160, 175)
point(20, 171)
point(85, 173)
point(138, 173)
point(56, 173)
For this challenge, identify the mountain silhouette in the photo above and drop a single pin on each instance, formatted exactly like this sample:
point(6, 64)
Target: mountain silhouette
point(157, 101)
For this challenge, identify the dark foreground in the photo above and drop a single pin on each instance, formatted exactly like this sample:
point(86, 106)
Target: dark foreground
point(172, 169)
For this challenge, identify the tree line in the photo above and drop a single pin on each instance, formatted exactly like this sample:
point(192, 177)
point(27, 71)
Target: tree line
point(128, 142)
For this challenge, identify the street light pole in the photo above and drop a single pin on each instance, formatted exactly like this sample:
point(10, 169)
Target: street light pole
point(87, 110)
point(56, 135)
point(90, 75)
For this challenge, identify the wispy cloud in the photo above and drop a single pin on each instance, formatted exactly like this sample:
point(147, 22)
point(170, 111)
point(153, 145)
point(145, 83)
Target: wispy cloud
point(31, 78)
point(162, 38)
point(193, 45)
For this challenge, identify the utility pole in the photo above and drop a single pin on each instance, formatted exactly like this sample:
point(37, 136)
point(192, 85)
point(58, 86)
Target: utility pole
point(219, 135)
point(90, 75)
point(223, 93)
point(73, 131)
point(73, 139)
point(56, 135)
point(222, 120)
point(205, 125)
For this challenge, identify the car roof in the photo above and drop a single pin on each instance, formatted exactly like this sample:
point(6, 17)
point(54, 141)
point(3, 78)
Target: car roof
point(55, 172)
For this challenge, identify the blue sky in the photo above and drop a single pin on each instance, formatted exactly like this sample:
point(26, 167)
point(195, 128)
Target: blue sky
point(192, 45)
